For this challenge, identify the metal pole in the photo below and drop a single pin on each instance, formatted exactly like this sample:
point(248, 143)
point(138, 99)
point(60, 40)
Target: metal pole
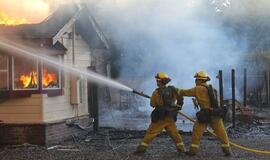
point(245, 88)
point(220, 78)
point(268, 83)
point(233, 97)
point(93, 101)
point(266, 86)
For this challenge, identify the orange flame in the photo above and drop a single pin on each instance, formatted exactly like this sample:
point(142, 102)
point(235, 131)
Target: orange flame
point(14, 12)
point(31, 79)
point(7, 20)
point(48, 78)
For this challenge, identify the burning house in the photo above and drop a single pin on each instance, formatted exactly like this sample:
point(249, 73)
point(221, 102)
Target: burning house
point(36, 98)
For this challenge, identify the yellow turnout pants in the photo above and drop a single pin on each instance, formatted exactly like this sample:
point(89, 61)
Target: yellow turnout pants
point(219, 129)
point(155, 128)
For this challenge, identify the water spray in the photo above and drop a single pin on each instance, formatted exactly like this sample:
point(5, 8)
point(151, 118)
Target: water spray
point(14, 48)
point(92, 76)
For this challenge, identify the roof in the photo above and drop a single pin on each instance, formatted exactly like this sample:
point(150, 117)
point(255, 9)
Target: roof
point(55, 22)
point(46, 29)
point(90, 31)
point(38, 46)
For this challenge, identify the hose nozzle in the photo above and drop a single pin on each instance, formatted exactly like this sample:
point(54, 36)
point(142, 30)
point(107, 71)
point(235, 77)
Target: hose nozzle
point(141, 94)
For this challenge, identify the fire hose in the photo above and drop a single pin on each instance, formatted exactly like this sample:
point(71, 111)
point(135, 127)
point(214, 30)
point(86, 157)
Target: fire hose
point(259, 152)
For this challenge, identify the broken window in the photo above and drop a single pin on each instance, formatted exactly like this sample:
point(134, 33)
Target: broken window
point(25, 73)
point(50, 77)
point(3, 72)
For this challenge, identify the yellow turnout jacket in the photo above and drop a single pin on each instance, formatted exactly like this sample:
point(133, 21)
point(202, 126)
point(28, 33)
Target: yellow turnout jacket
point(200, 92)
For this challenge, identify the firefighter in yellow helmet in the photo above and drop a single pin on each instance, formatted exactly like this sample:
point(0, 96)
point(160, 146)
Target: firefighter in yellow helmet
point(163, 100)
point(209, 114)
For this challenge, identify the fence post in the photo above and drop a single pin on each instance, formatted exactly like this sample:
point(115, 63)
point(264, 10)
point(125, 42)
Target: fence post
point(220, 78)
point(245, 88)
point(266, 86)
point(233, 97)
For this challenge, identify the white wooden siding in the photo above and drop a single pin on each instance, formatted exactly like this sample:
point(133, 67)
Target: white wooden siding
point(41, 108)
point(58, 108)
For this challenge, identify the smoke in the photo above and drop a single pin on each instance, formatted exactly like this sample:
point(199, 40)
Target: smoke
point(179, 37)
point(248, 9)
point(54, 4)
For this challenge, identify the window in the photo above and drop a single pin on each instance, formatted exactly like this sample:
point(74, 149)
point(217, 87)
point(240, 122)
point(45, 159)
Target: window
point(50, 77)
point(3, 72)
point(22, 77)
point(25, 73)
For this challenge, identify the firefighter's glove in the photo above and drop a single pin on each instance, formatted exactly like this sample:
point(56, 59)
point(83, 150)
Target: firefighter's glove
point(179, 107)
point(180, 102)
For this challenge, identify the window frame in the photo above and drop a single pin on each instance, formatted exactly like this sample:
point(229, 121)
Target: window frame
point(59, 76)
point(7, 71)
point(13, 72)
point(20, 93)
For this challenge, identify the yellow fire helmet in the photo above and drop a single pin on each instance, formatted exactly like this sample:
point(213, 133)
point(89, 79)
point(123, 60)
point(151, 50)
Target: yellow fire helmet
point(161, 76)
point(202, 75)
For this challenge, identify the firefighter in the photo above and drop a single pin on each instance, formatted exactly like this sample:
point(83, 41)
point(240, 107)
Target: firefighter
point(163, 100)
point(206, 115)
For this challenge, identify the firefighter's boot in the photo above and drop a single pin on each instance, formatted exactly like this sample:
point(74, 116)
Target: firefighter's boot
point(226, 151)
point(140, 150)
point(180, 147)
point(192, 150)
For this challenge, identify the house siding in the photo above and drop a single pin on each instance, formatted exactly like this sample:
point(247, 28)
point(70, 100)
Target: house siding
point(58, 108)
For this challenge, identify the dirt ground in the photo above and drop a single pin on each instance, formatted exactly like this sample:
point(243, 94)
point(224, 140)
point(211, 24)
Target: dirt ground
point(110, 144)
point(115, 144)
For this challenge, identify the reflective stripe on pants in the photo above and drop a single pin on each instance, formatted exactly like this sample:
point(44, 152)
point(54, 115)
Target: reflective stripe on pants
point(144, 144)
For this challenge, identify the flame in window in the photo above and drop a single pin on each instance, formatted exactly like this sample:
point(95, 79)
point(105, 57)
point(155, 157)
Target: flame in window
point(7, 20)
point(49, 79)
point(29, 80)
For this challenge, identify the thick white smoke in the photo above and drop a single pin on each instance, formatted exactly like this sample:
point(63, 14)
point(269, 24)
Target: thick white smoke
point(179, 37)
